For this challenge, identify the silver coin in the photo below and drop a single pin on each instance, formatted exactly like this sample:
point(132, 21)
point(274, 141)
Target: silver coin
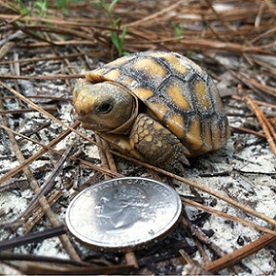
point(124, 213)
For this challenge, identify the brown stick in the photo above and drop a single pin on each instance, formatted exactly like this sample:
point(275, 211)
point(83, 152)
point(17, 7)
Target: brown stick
point(240, 254)
point(264, 123)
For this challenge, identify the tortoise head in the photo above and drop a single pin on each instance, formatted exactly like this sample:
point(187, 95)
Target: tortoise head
point(104, 107)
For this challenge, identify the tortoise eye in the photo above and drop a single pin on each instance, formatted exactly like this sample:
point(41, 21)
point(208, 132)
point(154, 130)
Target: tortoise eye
point(105, 108)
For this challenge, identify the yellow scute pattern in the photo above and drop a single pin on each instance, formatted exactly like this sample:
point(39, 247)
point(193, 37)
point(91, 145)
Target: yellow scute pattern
point(201, 95)
point(194, 134)
point(175, 123)
point(143, 93)
point(175, 64)
point(112, 75)
point(159, 109)
point(216, 136)
point(207, 137)
point(150, 67)
point(177, 97)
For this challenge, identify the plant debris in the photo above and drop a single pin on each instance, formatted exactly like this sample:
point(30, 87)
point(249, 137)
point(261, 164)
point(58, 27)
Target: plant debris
point(228, 223)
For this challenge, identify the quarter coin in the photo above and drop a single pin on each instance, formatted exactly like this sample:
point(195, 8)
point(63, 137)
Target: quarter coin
point(124, 213)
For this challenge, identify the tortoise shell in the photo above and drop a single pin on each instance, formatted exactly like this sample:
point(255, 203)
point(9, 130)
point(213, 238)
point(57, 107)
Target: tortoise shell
point(176, 92)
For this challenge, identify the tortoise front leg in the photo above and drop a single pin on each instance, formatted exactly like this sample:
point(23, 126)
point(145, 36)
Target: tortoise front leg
point(157, 144)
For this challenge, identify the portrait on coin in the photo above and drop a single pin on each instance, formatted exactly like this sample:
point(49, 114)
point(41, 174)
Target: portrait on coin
point(122, 207)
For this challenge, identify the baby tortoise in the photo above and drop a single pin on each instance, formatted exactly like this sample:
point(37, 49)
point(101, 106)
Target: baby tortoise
point(158, 107)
